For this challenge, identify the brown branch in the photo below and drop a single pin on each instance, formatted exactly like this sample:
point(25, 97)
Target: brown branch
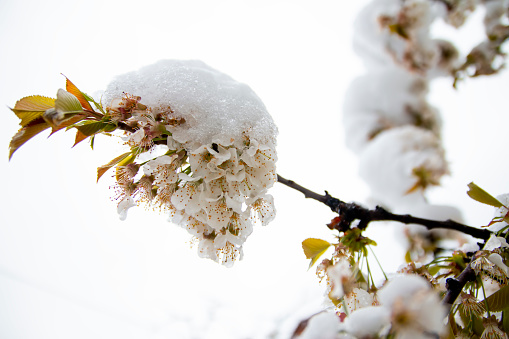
point(325, 199)
point(455, 286)
point(349, 212)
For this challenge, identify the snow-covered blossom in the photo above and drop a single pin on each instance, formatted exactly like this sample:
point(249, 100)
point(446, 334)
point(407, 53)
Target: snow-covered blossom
point(324, 325)
point(384, 99)
point(402, 161)
point(415, 308)
point(368, 322)
point(459, 11)
point(393, 32)
point(220, 151)
point(500, 213)
point(406, 307)
point(359, 298)
point(340, 278)
point(495, 242)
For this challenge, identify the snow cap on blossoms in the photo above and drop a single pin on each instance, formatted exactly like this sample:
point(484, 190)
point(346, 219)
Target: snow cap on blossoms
point(220, 151)
point(213, 105)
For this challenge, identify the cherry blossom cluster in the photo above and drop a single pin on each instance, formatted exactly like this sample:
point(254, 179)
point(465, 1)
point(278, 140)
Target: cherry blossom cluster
point(212, 178)
point(408, 305)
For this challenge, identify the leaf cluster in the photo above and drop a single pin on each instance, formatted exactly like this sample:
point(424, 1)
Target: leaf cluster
point(71, 109)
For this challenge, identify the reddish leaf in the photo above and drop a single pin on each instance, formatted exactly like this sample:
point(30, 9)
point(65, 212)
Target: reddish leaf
point(25, 134)
point(79, 137)
point(71, 88)
point(68, 122)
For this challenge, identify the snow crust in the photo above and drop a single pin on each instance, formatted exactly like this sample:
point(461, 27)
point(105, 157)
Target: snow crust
point(212, 103)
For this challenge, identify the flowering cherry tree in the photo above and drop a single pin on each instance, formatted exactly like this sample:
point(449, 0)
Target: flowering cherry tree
point(201, 147)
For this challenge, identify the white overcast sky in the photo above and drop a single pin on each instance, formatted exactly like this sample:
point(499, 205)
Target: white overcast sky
point(69, 268)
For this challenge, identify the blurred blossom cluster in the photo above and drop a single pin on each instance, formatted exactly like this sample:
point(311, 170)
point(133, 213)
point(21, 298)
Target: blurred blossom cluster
point(387, 119)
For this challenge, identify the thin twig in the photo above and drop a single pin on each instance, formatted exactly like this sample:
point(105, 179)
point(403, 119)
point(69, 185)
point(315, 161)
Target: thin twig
point(325, 199)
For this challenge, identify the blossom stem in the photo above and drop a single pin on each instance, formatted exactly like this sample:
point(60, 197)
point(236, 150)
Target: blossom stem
point(350, 212)
point(379, 265)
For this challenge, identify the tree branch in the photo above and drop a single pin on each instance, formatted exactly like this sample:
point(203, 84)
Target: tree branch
point(455, 286)
point(349, 212)
point(326, 199)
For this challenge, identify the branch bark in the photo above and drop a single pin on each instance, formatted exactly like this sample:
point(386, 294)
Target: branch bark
point(350, 212)
point(455, 285)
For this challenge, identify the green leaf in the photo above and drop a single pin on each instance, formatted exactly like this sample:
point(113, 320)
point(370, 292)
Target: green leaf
point(104, 168)
point(90, 99)
point(25, 134)
point(498, 301)
point(480, 195)
point(314, 249)
point(88, 129)
point(92, 128)
point(71, 88)
point(67, 102)
point(505, 320)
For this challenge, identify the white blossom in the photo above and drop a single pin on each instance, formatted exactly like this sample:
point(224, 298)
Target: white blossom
point(495, 242)
point(339, 277)
point(500, 213)
point(368, 322)
point(359, 298)
point(401, 162)
point(415, 308)
point(123, 206)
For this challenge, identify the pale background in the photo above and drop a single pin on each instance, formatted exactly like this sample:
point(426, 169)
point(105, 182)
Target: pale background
point(70, 269)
